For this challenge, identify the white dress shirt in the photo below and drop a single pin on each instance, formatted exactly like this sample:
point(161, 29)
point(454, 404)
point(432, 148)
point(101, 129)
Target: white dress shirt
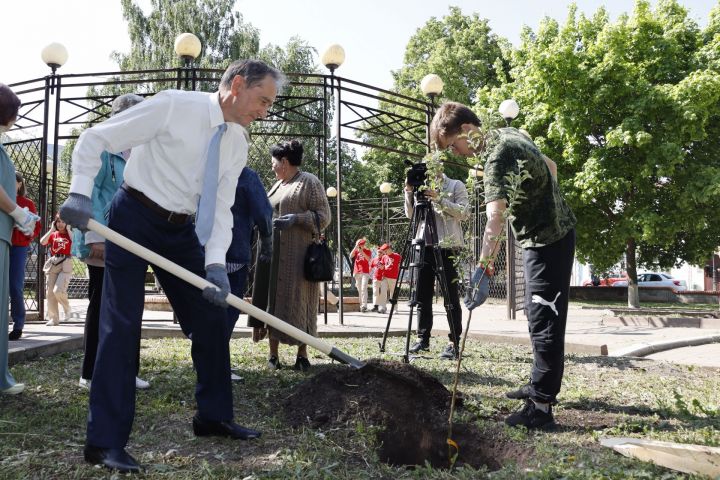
point(169, 135)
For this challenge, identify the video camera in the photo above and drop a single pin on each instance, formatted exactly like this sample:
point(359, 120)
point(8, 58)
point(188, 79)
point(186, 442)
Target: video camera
point(417, 174)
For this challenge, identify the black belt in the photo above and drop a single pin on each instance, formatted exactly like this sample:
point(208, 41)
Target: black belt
point(172, 217)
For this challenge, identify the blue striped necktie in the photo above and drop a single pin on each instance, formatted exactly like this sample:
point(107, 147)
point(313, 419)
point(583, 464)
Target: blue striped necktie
point(206, 206)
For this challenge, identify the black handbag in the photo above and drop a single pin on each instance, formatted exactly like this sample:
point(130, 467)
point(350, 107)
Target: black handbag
point(319, 262)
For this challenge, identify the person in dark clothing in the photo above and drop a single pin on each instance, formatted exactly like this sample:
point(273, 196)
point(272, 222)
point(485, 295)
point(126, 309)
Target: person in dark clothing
point(251, 209)
point(544, 226)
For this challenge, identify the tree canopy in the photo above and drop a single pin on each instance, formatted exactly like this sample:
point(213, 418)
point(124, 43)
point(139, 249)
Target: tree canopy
point(628, 109)
point(461, 49)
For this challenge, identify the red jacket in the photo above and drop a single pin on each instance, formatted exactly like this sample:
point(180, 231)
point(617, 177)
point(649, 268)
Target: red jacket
point(362, 265)
point(379, 268)
point(18, 238)
point(59, 243)
point(392, 263)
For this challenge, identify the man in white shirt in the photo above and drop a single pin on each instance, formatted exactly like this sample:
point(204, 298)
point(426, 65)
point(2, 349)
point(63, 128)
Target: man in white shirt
point(183, 144)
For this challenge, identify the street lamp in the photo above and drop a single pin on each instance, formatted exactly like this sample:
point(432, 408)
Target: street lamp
point(431, 85)
point(385, 188)
point(509, 109)
point(54, 55)
point(187, 47)
point(333, 57)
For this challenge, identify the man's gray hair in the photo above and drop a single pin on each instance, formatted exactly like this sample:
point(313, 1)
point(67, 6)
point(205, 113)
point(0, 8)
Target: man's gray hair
point(123, 102)
point(254, 72)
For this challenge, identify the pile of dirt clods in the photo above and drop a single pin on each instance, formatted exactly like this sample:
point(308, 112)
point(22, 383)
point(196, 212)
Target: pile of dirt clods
point(412, 406)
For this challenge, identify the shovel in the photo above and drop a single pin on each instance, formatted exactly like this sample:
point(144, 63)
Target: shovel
point(231, 299)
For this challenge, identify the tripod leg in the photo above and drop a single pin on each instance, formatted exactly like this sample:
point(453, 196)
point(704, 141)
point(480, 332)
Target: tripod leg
point(406, 356)
point(403, 268)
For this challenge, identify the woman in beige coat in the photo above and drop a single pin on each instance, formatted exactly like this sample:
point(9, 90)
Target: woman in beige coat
point(299, 203)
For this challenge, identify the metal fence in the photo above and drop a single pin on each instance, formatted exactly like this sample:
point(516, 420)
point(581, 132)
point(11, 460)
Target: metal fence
point(319, 109)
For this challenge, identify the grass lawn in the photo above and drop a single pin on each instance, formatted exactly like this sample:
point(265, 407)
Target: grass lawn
point(42, 430)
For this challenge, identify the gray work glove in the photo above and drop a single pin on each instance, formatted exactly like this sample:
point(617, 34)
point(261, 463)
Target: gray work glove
point(216, 274)
point(285, 221)
point(76, 211)
point(265, 249)
point(25, 220)
point(479, 289)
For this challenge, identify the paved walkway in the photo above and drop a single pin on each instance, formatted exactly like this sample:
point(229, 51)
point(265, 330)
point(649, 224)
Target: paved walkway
point(589, 331)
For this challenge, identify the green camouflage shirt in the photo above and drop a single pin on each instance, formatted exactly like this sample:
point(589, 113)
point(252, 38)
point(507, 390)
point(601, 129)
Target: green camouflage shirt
point(542, 217)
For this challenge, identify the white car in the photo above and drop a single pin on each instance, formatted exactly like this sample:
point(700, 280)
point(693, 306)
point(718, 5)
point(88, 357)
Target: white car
point(654, 279)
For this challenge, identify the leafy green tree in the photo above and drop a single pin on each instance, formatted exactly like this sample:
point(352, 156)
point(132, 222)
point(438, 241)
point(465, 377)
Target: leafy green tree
point(628, 109)
point(223, 34)
point(466, 54)
point(224, 38)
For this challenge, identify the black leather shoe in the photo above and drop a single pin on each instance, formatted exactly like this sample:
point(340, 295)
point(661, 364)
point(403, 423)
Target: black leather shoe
point(15, 335)
point(521, 393)
point(420, 345)
point(532, 417)
point(204, 428)
point(302, 364)
point(112, 458)
point(449, 353)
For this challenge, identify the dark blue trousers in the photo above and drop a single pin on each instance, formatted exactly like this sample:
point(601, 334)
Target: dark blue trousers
point(112, 396)
point(18, 256)
point(547, 286)
point(238, 281)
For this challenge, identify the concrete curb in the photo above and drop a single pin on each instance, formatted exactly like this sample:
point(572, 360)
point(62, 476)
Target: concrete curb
point(572, 348)
point(662, 322)
point(23, 354)
point(648, 349)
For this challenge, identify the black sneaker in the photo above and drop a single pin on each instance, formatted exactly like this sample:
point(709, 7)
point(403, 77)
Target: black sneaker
point(423, 345)
point(302, 364)
point(374, 309)
point(532, 417)
point(274, 363)
point(15, 335)
point(521, 393)
point(449, 353)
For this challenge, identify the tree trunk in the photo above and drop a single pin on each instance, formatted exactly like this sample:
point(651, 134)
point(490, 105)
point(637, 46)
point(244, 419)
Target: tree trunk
point(633, 291)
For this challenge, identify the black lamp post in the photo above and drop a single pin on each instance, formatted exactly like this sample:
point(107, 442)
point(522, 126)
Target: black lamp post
point(385, 188)
point(332, 58)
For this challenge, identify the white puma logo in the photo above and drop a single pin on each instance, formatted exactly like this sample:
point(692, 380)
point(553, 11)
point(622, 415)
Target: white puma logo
point(542, 301)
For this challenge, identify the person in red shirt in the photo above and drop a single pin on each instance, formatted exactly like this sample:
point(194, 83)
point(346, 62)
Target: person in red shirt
point(379, 285)
point(392, 261)
point(361, 270)
point(58, 270)
point(18, 257)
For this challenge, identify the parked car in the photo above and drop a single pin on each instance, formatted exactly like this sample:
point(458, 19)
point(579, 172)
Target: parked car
point(656, 279)
point(608, 281)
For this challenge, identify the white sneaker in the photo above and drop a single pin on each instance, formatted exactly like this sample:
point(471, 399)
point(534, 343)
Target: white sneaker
point(67, 316)
point(141, 384)
point(14, 390)
point(52, 323)
point(236, 378)
point(83, 383)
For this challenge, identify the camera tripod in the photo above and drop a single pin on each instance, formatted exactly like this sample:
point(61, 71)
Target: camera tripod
point(413, 261)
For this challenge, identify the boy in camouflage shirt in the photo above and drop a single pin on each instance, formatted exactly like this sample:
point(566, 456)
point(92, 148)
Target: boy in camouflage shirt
point(544, 226)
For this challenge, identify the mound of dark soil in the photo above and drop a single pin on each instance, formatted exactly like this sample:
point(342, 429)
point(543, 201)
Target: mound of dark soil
point(411, 405)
